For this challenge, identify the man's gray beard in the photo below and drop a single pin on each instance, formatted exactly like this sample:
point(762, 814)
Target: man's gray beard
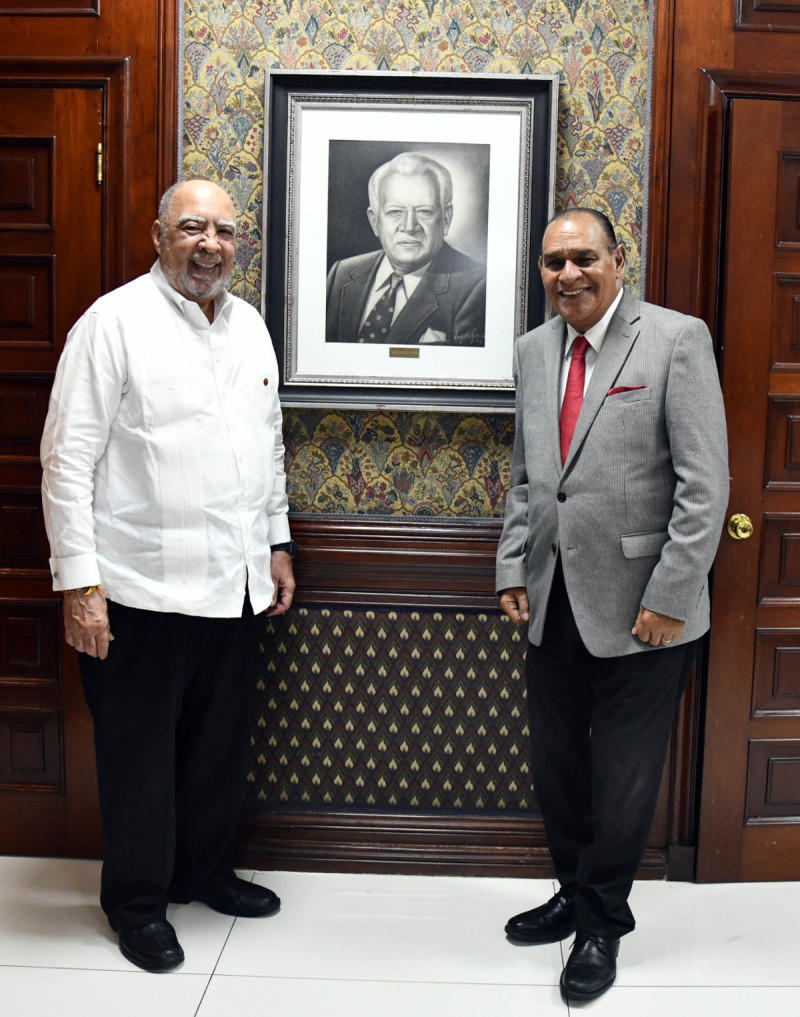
point(188, 285)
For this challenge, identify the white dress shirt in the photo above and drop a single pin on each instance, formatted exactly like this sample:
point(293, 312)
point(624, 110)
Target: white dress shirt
point(163, 453)
point(594, 336)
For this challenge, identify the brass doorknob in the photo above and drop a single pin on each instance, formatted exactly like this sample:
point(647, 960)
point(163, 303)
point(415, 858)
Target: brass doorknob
point(740, 526)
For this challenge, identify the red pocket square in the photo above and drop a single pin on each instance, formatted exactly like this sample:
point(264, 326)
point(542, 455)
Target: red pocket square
point(624, 388)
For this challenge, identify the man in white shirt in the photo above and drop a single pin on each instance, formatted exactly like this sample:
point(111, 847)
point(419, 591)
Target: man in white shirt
point(165, 503)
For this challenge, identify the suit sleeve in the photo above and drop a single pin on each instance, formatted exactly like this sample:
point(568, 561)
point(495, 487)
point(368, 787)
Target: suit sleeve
point(697, 435)
point(510, 564)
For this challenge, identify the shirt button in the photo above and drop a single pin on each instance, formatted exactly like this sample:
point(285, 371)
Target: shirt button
point(266, 381)
point(561, 496)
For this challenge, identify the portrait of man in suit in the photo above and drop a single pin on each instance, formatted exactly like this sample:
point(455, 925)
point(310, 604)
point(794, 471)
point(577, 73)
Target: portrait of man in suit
point(618, 491)
point(416, 288)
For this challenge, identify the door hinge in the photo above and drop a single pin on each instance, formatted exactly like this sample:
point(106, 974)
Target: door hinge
point(99, 162)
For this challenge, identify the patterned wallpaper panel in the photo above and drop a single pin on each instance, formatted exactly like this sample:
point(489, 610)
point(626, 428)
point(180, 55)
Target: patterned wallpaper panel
point(361, 462)
point(597, 47)
point(391, 710)
point(434, 464)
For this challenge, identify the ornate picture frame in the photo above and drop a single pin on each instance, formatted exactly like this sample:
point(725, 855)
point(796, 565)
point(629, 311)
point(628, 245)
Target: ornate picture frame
point(468, 165)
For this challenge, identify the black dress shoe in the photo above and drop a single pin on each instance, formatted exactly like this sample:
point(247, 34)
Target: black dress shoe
point(235, 897)
point(548, 923)
point(154, 947)
point(591, 968)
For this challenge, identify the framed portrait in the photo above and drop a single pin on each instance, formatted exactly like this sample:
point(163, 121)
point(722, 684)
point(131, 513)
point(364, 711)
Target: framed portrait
point(402, 216)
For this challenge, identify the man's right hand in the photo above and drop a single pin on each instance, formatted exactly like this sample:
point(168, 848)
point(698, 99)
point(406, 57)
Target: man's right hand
point(514, 602)
point(86, 624)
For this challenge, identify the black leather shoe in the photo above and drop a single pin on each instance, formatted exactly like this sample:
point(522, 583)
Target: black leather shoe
point(548, 923)
point(591, 968)
point(154, 947)
point(234, 897)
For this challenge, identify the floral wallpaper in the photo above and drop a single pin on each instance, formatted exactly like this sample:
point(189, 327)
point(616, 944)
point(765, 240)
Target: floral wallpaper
point(396, 463)
point(434, 464)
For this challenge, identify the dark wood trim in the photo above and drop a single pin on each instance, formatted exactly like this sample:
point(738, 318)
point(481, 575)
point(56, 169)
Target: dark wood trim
point(29, 10)
point(754, 84)
point(471, 845)
point(660, 139)
point(396, 562)
point(169, 64)
point(719, 88)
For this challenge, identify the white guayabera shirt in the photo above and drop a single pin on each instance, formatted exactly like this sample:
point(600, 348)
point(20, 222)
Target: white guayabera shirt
point(163, 453)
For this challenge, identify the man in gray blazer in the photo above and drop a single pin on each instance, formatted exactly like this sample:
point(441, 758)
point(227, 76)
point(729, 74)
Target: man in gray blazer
point(619, 485)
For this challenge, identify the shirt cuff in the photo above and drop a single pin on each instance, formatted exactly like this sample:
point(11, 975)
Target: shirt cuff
point(74, 573)
point(279, 532)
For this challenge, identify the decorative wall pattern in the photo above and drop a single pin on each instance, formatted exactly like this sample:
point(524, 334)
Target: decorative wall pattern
point(391, 709)
point(598, 48)
point(433, 464)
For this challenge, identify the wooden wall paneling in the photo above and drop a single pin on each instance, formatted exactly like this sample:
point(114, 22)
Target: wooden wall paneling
point(662, 58)
point(398, 562)
point(409, 563)
point(701, 35)
point(768, 15)
point(52, 8)
point(776, 691)
point(486, 845)
point(116, 66)
point(145, 34)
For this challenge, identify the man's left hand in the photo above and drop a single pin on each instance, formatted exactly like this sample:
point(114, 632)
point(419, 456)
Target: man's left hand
point(283, 578)
point(657, 629)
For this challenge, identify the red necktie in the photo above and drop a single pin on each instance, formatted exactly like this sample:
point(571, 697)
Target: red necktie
point(573, 394)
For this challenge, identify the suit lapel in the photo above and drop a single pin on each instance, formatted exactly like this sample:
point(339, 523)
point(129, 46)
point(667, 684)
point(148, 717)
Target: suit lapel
point(553, 352)
point(620, 337)
point(355, 291)
point(420, 306)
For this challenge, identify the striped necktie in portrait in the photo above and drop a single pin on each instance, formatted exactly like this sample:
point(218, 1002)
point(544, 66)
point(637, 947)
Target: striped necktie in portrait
point(379, 320)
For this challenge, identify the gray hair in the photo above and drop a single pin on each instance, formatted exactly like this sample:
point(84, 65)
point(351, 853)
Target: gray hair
point(412, 164)
point(166, 202)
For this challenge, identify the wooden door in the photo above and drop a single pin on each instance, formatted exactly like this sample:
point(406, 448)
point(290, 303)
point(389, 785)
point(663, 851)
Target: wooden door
point(750, 812)
point(51, 268)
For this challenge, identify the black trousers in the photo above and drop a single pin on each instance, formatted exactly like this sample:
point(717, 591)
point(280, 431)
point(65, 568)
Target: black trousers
point(599, 734)
point(172, 706)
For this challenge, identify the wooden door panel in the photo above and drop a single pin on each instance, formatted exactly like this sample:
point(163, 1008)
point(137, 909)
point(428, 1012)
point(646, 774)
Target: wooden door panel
point(26, 183)
point(773, 785)
point(750, 819)
point(786, 317)
point(51, 269)
point(23, 408)
point(776, 690)
point(31, 752)
point(779, 572)
point(29, 644)
point(27, 302)
point(769, 15)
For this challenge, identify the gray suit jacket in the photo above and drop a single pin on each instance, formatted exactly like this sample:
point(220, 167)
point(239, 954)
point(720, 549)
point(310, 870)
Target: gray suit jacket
point(637, 510)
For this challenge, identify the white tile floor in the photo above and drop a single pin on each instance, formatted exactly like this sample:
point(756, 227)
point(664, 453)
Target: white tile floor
point(391, 946)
